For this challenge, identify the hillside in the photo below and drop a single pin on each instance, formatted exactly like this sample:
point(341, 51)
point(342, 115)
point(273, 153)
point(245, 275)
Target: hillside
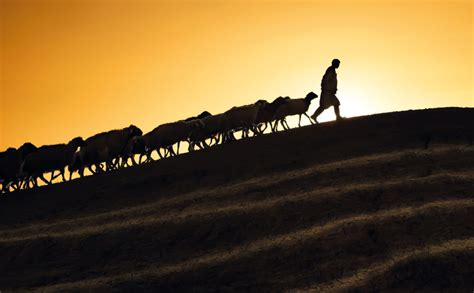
point(360, 205)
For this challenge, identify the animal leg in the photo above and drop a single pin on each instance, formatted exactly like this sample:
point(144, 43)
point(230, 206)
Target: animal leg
point(228, 136)
point(90, 169)
point(34, 181)
point(285, 124)
point(110, 165)
point(148, 156)
point(277, 123)
point(309, 118)
point(251, 129)
point(159, 153)
point(123, 162)
point(19, 184)
point(134, 162)
point(27, 183)
point(52, 176)
point(99, 168)
point(43, 179)
point(256, 130)
point(299, 120)
point(24, 183)
point(4, 188)
point(13, 185)
point(216, 140)
point(119, 162)
point(171, 151)
point(177, 149)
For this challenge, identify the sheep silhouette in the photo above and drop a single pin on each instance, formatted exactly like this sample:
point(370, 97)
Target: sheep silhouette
point(49, 158)
point(114, 149)
point(10, 166)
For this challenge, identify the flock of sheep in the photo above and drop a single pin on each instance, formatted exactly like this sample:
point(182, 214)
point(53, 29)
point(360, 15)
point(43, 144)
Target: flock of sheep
point(21, 168)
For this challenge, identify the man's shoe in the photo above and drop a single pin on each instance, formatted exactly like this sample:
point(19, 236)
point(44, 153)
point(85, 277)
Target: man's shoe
point(314, 118)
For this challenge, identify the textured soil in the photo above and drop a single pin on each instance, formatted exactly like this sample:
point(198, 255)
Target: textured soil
point(375, 203)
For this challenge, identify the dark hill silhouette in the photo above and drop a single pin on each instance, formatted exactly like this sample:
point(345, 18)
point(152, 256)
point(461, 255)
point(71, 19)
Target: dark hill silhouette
point(366, 203)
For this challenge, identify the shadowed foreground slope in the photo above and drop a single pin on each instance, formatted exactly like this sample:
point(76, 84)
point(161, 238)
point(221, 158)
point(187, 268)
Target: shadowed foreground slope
point(358, 205)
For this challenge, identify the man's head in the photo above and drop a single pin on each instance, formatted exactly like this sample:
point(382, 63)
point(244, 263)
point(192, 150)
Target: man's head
point(335, 63)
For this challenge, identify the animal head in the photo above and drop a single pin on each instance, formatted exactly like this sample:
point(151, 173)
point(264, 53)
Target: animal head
point(261, 103)
point(26, 149)
point(280, 99)
point(134, 131)
point(77, 141)
point(204, 115)
point(311, 96)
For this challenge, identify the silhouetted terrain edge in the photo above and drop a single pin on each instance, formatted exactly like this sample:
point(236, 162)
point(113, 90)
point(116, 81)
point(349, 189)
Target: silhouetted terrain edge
point(365, 204)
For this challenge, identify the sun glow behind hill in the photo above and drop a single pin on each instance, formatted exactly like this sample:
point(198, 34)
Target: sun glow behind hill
point(78, 68)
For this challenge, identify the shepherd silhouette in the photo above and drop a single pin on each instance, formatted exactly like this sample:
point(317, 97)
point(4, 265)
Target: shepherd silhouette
point(328, 91)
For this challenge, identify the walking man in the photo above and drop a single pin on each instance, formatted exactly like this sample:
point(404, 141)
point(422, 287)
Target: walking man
point(328, 92)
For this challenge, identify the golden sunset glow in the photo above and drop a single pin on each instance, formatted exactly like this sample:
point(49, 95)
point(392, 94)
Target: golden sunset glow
point(75, 68)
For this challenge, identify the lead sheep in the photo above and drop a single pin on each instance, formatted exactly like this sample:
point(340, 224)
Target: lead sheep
point(49, 158)
point(10, 165)
point(293, 107)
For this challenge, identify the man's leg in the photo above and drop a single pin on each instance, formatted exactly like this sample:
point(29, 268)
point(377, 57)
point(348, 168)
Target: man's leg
point(336, 111)
point(317, 113)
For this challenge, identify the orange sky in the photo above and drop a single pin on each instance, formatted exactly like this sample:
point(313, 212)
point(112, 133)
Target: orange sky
point(72, 68)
